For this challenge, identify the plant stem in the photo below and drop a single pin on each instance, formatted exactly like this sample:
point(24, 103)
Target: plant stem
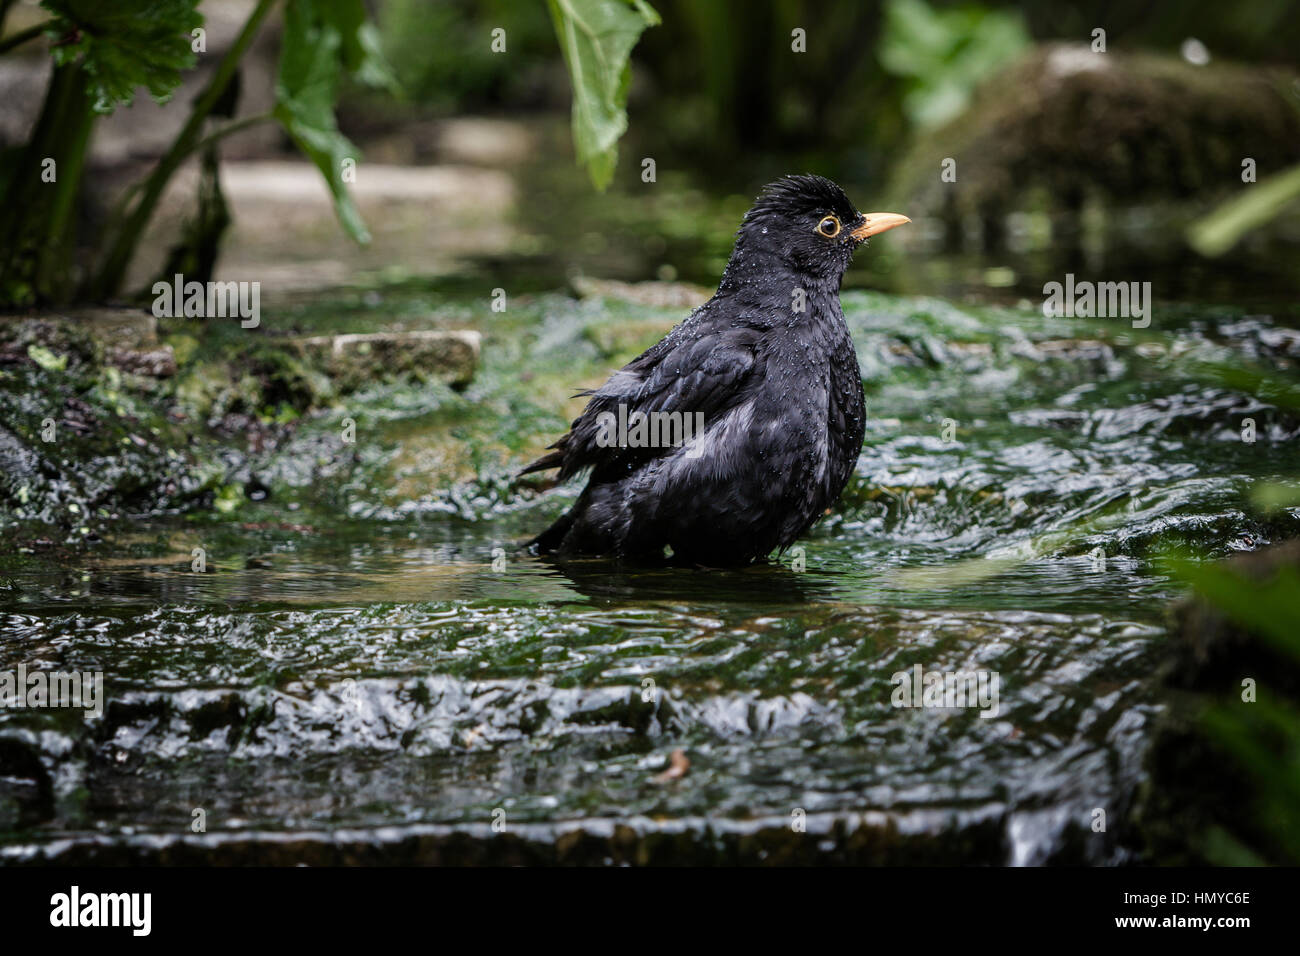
point(236, 126)
point(34, 212)
point(128, 195)
point(52, 272)
point(109, 278)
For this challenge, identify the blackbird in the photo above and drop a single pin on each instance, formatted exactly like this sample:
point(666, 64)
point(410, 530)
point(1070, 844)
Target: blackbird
point(732, 436)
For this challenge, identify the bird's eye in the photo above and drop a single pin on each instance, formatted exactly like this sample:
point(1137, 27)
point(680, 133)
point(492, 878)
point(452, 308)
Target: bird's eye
point(829, 227)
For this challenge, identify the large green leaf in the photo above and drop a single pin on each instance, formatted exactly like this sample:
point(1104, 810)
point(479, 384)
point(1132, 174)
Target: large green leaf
point(125, 44)
point(597, 37)
point(323, 39)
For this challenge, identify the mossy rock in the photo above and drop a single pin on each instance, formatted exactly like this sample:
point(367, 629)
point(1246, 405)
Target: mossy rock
point(1064, 125)
point(352, 361)
point(126, 339)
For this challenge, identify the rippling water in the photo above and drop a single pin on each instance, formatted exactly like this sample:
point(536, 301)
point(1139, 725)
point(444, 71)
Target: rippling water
point(388, 679)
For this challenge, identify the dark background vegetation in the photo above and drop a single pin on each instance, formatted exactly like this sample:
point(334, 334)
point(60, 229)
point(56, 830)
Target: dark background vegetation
point(883, 93)
point(715, 92)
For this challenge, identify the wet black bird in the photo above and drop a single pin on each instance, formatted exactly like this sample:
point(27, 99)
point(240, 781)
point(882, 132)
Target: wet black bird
point(765, 385)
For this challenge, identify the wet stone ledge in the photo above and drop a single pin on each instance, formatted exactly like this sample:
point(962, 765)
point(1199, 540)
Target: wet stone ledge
point(126, 339)
point(352, 360)
point(915, 838)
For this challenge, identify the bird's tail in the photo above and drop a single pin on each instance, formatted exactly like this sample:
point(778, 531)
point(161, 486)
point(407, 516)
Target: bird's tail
point(553, 460)
point(549, 540)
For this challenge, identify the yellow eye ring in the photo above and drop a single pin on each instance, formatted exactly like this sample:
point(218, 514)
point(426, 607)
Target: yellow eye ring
point(829, 227)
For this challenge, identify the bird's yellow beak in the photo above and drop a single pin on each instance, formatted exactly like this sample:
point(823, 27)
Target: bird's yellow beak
point(874, 223)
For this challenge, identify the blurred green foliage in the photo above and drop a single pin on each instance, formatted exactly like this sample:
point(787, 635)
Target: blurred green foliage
point(124, 45)
point(1267, 608)
point(1272, 197)
point(102, 54)
point(443, 60)
point(322, 41)
point(1263, 736)
point(1277, 782)
point(503, 53)
point(717, 87)
point(944, 54)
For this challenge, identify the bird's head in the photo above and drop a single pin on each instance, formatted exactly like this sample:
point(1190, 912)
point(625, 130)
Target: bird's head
point(807, 224)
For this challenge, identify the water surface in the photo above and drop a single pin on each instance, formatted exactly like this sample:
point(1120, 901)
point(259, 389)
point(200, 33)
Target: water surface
point(371, 669)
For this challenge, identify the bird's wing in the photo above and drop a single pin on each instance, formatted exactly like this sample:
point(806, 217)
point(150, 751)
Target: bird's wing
point(690, 372)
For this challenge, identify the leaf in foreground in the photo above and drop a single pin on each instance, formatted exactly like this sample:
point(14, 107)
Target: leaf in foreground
point(321, 40)
point(597, 37)
point(124, 45)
